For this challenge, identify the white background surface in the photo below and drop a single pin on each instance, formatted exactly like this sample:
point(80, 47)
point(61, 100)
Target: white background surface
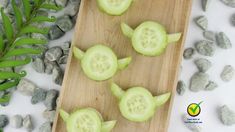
point(218, 15)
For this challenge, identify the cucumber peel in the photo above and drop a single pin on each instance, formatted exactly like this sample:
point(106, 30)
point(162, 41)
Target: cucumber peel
point(86, 120)
point(127, 30)
point(171, 38)
point(123, 63)
point(79, 54)
point(137, 104)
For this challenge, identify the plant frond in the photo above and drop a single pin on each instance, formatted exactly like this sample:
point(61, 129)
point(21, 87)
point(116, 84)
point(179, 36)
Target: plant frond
point(7, 25)
point(12, 75)
point(9, 84)
point(33, 29)
point(13, 63)
point(27, 9)
point(29, 41)
point(43, 19)
point(18, 15)
point(21, 51)
point(50, 7)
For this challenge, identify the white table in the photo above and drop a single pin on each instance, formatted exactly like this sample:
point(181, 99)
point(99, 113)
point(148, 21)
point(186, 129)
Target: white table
point(218, 16)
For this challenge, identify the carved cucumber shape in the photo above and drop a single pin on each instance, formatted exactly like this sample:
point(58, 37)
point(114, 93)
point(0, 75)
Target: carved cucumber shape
point(137, 104)
point(99, 62)
point(149, 38)
point(86, 120)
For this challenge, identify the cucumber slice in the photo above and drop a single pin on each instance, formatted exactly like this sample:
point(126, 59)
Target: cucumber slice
point(114, 7)
point(137, 104)
point(123, 63)
point(149, 38)
point(86, 120)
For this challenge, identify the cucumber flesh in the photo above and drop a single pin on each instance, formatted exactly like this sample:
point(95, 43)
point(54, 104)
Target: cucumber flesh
point(79, 54)
point(117, 91)
point(171, 38)
point(162, 99)
point(127, 30)
point(114, 7)
point(123, 63)
point(64, 115)
point(108, 126)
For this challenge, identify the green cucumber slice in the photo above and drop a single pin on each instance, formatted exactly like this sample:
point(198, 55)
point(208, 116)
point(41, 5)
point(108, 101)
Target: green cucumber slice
point(114, 7)
point(127, 30)
point(171, 38)
point(162, 99)
point(108, 126)
point(123, 63)
point(78, 53)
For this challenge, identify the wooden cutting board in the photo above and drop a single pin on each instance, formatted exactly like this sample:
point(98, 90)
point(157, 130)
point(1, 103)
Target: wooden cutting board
point(158, 74)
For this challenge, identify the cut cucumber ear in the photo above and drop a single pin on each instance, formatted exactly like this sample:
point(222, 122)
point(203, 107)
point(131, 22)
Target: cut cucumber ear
point(123, 63)
point(117, 91)
point(64, 115)
point(161, 99)
point(149, 38)
point(114, 7)
point(108, 126)
point(79, 54)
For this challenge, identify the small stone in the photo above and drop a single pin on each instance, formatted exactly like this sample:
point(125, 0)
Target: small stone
point(227, 73)
point(233, 19)
point(26, 87)
point(3, 121)
point(181, 87)
point(66, 45)
point(39, 36)
point(230, 3)
point(194, 127)
point(55, 32)
point(223, 41)
point(205, 48)
point(39, 95)
point(16, 121)
point(64, 23)
point(4, 3)
point(227, 116)
point(57, 75)
point(62, 3)
point(49, 115)
point(45, 127)
point(27, 123)
point(63, 59)
point(202, 22)
point(199, 81)
point(53, 54)
point(205, 4)
point(72, 8)
point(49, 66)
point(209, 35)
point(211, 86)
point(203, 64)
point(50, 101)
point(38, 65)
point(188, 53)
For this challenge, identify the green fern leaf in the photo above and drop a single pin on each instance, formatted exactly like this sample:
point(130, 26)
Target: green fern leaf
point(29, 41)
point(1, 44)
point(13, 63)
point(33, 29)
point(43, 19)
point(27, 9)
point(8, 84)
point(21, 51)
point(7, 25)
point(5, 99)
point(8, 75)
point(18, 15)
point(50, 7)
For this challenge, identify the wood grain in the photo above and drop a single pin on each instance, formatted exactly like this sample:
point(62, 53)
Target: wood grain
point(158, 74)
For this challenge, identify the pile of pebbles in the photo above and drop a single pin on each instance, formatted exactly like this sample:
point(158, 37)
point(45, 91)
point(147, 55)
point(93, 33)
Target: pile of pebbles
point(200, 81)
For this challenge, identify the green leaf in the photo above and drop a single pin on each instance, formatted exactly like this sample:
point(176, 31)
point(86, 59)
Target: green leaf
point(21, 51)
point(5, 99)
point(8, 75)
point(13, 63)
point(29, 41)
point(33, 29)
point(1, 44)
point(7, 25)
point(50, 7)
point(43, 19)
point(8, 84)
point(27, 9)
point(18, 15)
point(38, 2)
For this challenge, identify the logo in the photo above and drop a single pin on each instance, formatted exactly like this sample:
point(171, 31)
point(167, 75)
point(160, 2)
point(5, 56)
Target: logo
point(194, 109)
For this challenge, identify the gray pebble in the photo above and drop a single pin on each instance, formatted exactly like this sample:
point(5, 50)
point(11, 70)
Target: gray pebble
point(72, 8)
point(223, 41)
point(205, 4)
point(39, 36)
point(45, 127)
point(203, 64)
point(66, 45)
point(27, 123)
point(64, 23)
point(202, 22)
point(209, 35)
point(49, 66)
point(230, 3)
point(62, 3)
point(205, 48)
point(55, 32)
point(39, 95)
point(63, 59)
point(191, 126)
point(4, 3)
point(57, 75)
point(3, 121)
point(49, 115)
point(181, 87)
point(211, 86)
point(16, 121)
point(53, 54)
point(227, 73)
point(26, 87)
point(50, 101)
point(199, 81)
point(233, 19)
point(38, 65)
point(188, 53)
point(227, 116)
